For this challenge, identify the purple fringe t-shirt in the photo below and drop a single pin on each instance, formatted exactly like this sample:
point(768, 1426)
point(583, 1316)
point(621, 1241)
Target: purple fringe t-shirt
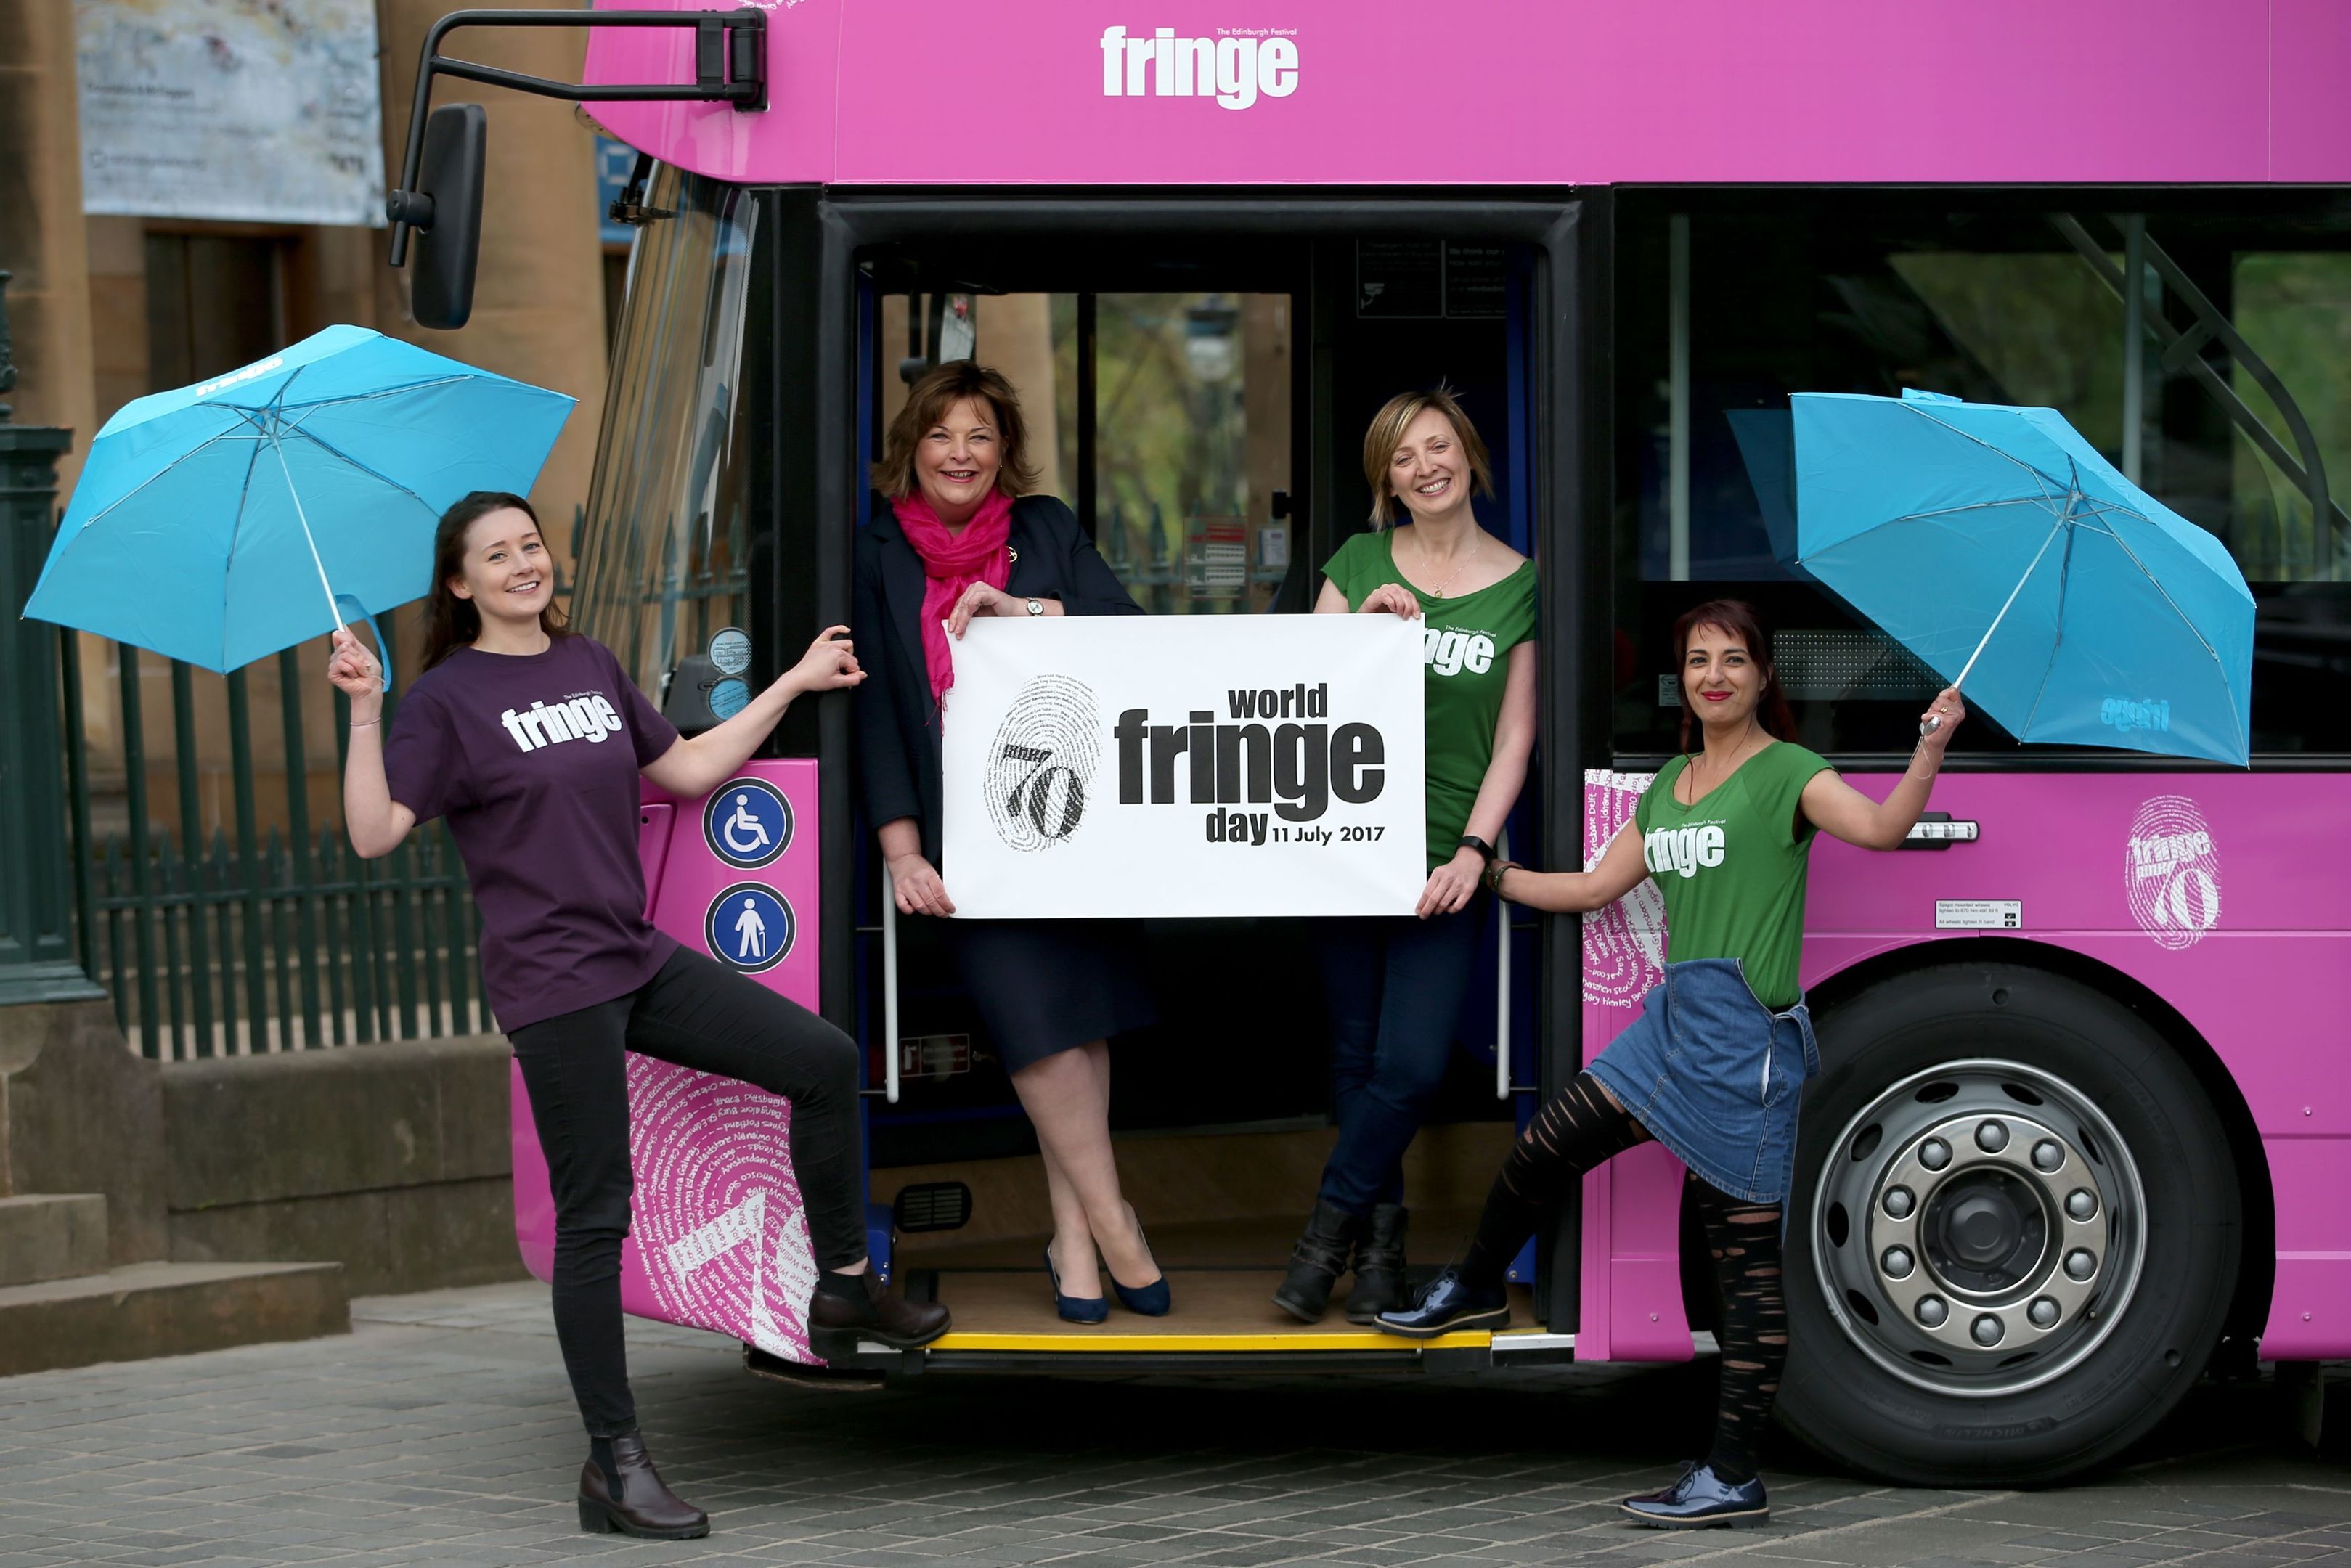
point(533, 757)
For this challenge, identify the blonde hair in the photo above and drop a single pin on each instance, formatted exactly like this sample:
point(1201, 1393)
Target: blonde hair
point(927, 401)
point(1386, 433)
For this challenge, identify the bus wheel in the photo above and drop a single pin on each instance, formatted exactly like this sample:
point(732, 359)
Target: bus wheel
point(2014, 1231)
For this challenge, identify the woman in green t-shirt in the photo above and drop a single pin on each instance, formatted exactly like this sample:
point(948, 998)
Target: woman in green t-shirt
point(1715, 1066)
point(1394, 987)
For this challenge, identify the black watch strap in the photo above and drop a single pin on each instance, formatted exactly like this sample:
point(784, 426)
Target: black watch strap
point(1472, 841)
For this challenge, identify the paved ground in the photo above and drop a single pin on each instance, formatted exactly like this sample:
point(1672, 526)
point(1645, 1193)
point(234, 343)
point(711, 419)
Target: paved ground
point(442, 1432)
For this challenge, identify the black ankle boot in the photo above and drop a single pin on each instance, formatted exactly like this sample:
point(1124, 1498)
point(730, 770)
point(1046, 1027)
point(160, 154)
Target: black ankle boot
point(1379, 1266)
point(633, 1499)
point(1317, 1261)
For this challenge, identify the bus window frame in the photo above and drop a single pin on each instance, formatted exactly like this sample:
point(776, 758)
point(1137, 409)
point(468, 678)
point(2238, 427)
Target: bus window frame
point(820, 235)
point(1644, 207)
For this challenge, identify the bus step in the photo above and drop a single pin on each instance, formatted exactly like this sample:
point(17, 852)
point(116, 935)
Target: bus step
point(822, 1379)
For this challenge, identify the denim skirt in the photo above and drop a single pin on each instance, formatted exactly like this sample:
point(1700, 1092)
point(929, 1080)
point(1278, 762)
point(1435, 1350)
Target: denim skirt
point(1716, 1076)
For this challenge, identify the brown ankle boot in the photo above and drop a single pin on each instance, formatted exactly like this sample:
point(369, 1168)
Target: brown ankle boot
point(641, 1504)
point(893, 1319)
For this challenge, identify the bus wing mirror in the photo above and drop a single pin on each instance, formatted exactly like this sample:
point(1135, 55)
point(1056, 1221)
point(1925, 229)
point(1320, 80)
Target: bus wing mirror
point(445, 212)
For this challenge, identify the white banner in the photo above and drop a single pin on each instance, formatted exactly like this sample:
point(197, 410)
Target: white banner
point(230, 109)
point(1136, 765)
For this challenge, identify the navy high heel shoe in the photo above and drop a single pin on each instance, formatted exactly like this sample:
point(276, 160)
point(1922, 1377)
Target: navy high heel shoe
point(1077, 1309)
point(1152, 1300)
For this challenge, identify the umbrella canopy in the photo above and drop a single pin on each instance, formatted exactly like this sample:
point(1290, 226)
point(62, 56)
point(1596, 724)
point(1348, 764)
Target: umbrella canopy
point(1998, 546)
point(220, 523)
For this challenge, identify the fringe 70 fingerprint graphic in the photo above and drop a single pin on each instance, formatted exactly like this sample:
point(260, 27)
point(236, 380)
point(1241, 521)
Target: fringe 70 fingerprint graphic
point(1623, 943)
point(1043, 763)
point(719, 1226)
point(2171, 872)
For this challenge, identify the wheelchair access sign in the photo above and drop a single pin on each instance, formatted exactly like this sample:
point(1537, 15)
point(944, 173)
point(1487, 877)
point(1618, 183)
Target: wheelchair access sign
point(746, 823)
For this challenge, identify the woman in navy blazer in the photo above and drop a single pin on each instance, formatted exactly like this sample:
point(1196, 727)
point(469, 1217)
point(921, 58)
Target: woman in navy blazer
point(952, 536)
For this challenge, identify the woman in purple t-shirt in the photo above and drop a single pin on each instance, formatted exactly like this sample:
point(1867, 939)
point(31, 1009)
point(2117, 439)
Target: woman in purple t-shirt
point(530, 739)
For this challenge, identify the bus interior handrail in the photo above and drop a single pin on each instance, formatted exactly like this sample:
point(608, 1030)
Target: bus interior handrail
point(889, 986)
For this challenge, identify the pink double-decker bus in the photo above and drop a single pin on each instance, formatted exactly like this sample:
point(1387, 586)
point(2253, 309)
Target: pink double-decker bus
point(2085, 1125)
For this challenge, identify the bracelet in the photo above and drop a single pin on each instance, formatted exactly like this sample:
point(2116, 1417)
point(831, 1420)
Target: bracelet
point(365, 723)
point(1494, 876)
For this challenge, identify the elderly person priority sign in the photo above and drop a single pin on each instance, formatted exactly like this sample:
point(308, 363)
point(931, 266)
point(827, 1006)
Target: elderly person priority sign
point(1186, 766)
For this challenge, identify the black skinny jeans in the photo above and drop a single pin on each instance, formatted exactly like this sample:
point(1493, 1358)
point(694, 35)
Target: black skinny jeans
point(693, 1013)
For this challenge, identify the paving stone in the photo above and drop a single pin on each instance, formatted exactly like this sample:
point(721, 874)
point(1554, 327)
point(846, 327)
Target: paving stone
point(441, 1431)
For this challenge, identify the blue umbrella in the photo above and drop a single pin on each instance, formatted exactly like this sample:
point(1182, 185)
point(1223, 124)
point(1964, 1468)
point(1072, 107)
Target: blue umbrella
point(227, 520)
point(1998, 546)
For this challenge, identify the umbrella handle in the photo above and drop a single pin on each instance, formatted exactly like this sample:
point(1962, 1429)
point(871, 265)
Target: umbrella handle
point(360, 613)
point(1928, 726)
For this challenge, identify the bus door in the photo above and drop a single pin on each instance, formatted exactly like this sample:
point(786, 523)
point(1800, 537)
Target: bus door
point(1201, 407)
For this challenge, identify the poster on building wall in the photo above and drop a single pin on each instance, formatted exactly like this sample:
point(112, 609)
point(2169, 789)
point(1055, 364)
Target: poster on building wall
point(233, 109)
point(1212, 765)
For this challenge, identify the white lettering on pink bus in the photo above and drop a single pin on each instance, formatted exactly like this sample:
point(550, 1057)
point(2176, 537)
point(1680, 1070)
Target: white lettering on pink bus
point(1235, 69)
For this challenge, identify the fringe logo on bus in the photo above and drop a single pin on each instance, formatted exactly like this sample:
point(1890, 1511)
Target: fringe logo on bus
point(2171, 872)
point(1625, 943)
point(1236, 67)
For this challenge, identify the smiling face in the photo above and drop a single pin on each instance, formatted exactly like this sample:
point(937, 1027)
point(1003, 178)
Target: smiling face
point(956, 462)
point(506, 571)
point(1428, 471)
point(1721, 682)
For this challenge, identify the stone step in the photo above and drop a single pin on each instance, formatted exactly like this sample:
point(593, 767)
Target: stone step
point(144, 1309)
point(46, 1236)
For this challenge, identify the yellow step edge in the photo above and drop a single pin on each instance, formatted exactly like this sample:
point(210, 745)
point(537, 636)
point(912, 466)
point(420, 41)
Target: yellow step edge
point(1086, 1344)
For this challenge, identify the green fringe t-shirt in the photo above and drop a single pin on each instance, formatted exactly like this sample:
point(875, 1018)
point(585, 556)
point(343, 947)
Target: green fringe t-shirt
point(1465, 654)
point(1735, 865)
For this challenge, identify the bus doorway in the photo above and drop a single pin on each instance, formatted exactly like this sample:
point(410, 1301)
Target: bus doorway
point(1200, 403)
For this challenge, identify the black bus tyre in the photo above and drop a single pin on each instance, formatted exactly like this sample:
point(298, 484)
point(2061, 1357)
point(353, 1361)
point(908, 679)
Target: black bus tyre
point(2014, 1232)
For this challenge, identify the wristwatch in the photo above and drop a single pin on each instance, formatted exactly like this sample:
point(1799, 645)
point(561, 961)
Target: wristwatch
point(1036, 607)
point(1472, 841)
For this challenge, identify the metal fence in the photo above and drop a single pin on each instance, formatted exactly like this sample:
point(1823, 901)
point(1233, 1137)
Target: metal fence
point(240, 940)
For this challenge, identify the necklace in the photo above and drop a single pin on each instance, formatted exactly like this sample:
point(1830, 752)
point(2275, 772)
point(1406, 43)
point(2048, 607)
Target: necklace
point(1438, 590)
point(1730, 768)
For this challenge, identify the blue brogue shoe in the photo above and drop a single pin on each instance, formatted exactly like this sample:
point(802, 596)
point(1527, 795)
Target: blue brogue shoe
point(1446, 1304)
point(1701, 1499)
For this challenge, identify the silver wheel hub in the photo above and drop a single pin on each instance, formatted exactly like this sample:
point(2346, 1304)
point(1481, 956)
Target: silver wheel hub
point(1977, 1228)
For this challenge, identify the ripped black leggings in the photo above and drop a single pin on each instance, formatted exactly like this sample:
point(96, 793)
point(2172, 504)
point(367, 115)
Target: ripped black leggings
point(1576, 1130)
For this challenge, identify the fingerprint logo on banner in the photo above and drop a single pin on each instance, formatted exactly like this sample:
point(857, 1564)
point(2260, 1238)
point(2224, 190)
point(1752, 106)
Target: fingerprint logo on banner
point(2171, 872)
point(719, 1226)
point(1625, 943)
point(1042, 762)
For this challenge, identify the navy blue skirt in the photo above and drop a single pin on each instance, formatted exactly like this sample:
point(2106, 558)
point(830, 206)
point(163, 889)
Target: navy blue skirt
point(1717, 1077)
point(1046, 986)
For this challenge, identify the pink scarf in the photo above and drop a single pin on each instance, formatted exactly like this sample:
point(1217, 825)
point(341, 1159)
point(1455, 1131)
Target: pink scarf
point(952, 563)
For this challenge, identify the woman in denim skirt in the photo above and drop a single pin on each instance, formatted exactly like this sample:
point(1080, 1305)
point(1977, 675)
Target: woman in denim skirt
point(1716, 1064)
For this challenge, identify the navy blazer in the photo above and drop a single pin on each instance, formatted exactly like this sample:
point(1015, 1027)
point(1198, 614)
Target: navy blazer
point(898, 758)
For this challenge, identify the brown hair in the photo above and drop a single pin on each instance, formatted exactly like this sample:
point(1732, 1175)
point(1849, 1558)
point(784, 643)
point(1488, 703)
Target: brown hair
point(1738, 618)
point(451, 622)
point(927, 401)
point(1386, 433)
